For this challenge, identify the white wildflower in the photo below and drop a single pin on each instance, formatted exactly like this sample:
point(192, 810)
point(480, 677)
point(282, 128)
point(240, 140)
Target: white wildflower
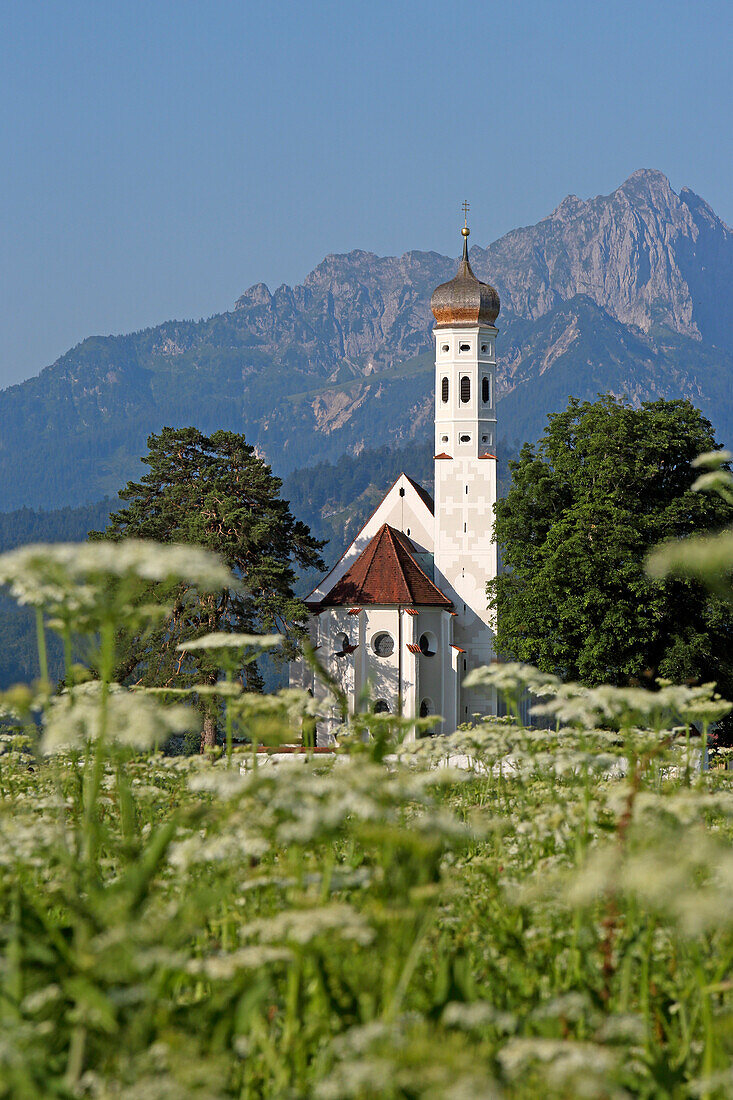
point(224, 967)
point(562, 1060)
point(222, 640)
point(131, 719)
point(711, 460)
point(301, 926)
point(66, 578)
point(477, 1015)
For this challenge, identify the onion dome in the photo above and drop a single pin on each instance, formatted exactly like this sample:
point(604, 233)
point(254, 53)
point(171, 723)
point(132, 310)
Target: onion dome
point(464, 300)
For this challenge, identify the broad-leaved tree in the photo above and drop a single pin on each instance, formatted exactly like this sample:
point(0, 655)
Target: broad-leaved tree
point(604, 485)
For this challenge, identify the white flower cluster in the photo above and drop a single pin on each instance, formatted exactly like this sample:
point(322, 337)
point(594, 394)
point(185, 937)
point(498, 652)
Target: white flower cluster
point(302, 926)
point(68, 576)
point(221, 640)
point(132, 719)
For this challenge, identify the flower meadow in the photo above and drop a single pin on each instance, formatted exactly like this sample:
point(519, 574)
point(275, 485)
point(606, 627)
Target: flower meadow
point(503, 912)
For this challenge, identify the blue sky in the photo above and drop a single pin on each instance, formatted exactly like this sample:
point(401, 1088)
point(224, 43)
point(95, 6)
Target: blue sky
point(160, 157)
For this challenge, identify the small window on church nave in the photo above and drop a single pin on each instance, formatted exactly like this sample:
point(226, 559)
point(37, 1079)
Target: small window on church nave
point(444, 391)
point(381, 707)
point(428, 644)
point(426, 708)
point(340, 642)
point(383, 644)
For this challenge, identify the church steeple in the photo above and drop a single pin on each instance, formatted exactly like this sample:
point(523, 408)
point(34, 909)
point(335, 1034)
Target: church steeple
point(464, 299)
point(465, 310)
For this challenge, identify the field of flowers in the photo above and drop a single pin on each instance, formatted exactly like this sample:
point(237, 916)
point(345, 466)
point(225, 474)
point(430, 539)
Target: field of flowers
point(553, 918)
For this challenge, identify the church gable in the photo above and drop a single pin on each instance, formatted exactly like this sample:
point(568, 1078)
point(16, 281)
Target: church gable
point(407, 508)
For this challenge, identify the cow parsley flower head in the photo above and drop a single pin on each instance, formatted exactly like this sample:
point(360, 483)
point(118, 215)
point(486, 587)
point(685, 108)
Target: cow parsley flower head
point(511, 677)
point(222, 640)
point(132, 719)
point(71, 578)
point(712, 460)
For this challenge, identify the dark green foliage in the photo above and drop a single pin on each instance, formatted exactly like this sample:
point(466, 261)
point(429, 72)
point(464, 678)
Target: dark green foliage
point(217, 493)
point(19, 652)
point(61, 525)
point(604, 485)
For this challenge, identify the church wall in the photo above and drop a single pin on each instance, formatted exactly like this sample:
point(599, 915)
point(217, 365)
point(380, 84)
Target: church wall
point(366, 677)
point(433, 675)
point(383, 672)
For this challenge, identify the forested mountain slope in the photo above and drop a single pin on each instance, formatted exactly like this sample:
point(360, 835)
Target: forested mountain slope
point(630, 292)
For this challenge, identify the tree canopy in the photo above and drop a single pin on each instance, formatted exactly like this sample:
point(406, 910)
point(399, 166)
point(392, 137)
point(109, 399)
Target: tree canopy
point(605, 484)
point(216, 492)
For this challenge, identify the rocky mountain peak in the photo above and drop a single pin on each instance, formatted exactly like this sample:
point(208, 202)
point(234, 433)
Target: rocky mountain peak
point(257, 295)
point(647, 183)
point(636, 252)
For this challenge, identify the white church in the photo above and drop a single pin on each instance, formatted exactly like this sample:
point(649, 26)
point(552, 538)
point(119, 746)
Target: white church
point(402, 616)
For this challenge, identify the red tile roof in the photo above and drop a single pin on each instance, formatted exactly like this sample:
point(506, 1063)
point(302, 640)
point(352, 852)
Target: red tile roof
point(413, 647)
point(385, 573)
point(442, 455)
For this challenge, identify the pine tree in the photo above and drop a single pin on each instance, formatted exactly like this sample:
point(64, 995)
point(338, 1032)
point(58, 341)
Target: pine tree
point(215, 492)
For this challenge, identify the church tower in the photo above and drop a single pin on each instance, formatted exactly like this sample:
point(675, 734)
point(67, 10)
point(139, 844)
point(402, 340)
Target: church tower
point(465, 312)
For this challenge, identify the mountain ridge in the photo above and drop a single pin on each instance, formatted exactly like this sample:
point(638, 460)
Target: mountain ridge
point(629, 292)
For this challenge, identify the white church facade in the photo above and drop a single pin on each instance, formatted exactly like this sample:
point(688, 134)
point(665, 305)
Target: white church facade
point(402, 616)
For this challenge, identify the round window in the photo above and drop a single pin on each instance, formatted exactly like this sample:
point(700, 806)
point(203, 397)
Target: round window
point(383, 644)
point(428, 644)
point(381, 707)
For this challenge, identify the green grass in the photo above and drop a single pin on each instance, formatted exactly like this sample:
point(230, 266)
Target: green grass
point(555, 920)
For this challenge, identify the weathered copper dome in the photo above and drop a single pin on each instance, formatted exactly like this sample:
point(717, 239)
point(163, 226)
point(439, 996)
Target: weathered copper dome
point(464, 300)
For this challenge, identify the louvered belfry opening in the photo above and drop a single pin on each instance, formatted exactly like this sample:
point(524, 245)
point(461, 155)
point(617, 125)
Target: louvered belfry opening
point(465, 389)
point(444, 391)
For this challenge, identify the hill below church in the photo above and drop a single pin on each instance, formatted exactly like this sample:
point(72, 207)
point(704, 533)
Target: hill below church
point(629, 292)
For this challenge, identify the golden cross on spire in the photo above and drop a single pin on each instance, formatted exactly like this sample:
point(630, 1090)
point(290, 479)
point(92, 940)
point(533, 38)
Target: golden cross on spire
point(466, 208)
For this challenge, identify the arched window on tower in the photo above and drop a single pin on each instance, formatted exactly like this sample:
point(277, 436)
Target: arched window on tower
point(444, 391)
point(465, 389)
point(485, 389)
